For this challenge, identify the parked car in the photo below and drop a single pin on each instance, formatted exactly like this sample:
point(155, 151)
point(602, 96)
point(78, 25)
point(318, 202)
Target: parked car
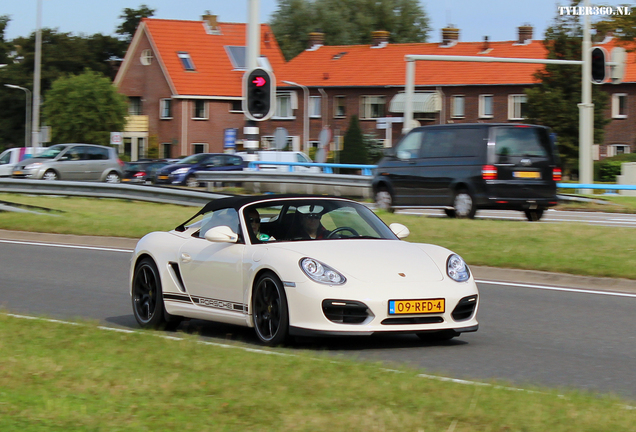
point(86, 162)
point(10, 157)
point(466, 167)
point(143, 171)
point(283, 156)
point(253, 261)
point(182, 172)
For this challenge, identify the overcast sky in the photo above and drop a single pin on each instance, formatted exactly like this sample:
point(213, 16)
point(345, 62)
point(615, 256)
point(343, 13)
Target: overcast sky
point(497, 19)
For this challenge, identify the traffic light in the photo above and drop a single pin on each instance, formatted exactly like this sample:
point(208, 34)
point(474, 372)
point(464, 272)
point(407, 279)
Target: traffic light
point(259, 94)
point(598, 65)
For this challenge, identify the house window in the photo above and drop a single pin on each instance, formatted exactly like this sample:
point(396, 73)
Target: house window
point(372, 107)
point(186, 61)
point(166, 108)
point(146, 57)
point(457, 106)
point(236, 106)
point(166, 150)
point(200, 110)
point(199, 148)
point(314, 106)
point(284, 105)
point(134, 105)
point(339, 108)
point(486, 106)
point(617, 149)
point(619, 105)
point(517, 107)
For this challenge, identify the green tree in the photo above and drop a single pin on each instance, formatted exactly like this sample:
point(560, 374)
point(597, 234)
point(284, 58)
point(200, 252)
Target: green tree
point(354, 150)
point(4, 46)
point(84, 108)
point(132, 18)
point(346, 22)
point(554, 101)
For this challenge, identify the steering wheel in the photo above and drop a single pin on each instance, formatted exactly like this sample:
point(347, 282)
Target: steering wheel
point(344, 228)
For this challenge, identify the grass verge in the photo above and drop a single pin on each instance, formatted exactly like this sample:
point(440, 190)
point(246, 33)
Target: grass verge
point(60, 377)
point(572, 248)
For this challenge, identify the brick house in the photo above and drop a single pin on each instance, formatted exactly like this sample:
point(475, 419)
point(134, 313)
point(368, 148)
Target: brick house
point(334, 82)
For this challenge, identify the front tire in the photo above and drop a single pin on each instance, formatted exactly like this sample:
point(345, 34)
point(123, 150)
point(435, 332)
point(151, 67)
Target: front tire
point(50, 175)
point(147, 296)
point(464, 204)
point(191, 181)
point(269, 310)
point(384, 200)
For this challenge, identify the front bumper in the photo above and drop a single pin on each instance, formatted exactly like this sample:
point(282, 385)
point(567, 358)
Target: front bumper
point(308, 315)
point(175, 179)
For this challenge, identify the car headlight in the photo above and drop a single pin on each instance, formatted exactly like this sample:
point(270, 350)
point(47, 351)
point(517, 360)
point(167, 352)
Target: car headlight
point(32, 166)
point(181, 171)
point(320, 272)
point(457, 269)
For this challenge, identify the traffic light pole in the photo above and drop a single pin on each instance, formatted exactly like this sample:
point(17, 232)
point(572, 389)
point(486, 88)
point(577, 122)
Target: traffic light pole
point(251, 133)
point(586, 109)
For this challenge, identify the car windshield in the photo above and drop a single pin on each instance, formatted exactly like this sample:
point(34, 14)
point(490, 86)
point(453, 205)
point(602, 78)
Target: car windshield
point(313, 219)
point(194, 159)
point(52, 152)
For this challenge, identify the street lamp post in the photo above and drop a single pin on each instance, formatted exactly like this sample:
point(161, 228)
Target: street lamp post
point(27, 125)
point(306, 114)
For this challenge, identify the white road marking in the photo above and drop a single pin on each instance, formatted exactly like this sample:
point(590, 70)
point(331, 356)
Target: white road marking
point(554, 288)
point(99, 248)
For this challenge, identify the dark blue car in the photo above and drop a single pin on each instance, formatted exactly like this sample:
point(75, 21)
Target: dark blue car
point(182, 172)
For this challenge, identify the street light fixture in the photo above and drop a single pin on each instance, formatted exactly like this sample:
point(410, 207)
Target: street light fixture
point(27, 125)
point(306, 116)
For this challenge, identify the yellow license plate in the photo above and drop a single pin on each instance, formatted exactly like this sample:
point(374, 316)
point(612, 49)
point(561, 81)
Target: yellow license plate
point(163, 177)
point(429, 306)
point(527, 174)
point(17, 172)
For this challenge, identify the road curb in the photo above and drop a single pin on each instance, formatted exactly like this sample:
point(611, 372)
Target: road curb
point(482, 273)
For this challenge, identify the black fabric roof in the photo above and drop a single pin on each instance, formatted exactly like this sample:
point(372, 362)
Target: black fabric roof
point(236, 202)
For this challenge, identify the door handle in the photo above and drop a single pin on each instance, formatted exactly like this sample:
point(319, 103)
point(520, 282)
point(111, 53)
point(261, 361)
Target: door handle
point(185, 258)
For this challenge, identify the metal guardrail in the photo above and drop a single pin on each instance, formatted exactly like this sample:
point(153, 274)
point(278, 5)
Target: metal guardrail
point(366, 170)
point(108, 190)
point(596, 186)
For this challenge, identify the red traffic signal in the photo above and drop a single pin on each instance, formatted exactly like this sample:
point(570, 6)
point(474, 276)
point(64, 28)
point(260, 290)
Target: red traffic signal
point(599, 68)
point(259, 94)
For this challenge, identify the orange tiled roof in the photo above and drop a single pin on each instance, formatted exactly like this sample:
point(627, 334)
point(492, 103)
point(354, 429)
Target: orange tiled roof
point(215, 75)
point(362, 65)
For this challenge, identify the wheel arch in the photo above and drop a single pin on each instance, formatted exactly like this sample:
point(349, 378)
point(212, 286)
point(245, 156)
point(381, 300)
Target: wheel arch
point(57, 173)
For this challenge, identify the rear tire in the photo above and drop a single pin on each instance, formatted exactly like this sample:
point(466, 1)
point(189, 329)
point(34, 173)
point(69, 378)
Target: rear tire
point(464, 204)
point(384, 200)
point(112, 177)
point(534, 215)
point(147, 298)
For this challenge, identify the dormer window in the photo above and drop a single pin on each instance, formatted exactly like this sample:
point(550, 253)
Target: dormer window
point(186, 61)
point(238, 57)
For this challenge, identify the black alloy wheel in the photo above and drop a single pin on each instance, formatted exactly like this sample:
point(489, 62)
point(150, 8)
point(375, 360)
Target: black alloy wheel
point(269, 309)
point(147, 300)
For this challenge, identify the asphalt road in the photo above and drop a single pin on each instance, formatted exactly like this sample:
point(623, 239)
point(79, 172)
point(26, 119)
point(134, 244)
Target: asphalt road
point(544, 337)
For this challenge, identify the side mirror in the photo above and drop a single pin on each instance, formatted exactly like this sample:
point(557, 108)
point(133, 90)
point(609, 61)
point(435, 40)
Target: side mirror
point(221, 234)
point(400, 230)
point(389, 152)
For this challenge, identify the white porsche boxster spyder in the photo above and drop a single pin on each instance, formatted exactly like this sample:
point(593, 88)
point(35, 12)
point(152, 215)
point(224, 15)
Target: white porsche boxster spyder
point(300, 266)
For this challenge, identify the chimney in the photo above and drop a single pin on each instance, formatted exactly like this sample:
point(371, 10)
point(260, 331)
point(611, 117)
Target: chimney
point(212, 26)
point(525, 34)
point(316, 40)
point(379, 38)
point(450, 35)
point(486, 44)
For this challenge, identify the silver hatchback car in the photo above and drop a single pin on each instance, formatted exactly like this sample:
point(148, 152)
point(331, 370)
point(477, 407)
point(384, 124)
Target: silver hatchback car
point(85, 162)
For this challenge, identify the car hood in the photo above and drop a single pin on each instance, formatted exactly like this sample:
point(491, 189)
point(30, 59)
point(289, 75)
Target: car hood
point(27, 161)
point(377, 261)
point(168, 169)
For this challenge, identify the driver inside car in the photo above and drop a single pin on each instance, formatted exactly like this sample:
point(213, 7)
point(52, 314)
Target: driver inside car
point(310, 226)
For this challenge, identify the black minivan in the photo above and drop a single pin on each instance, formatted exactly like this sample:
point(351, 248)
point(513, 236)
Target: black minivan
point(465, 167)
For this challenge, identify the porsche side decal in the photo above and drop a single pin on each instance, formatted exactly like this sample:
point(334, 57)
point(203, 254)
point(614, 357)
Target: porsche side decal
point(181, 298)
point(219, 304)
